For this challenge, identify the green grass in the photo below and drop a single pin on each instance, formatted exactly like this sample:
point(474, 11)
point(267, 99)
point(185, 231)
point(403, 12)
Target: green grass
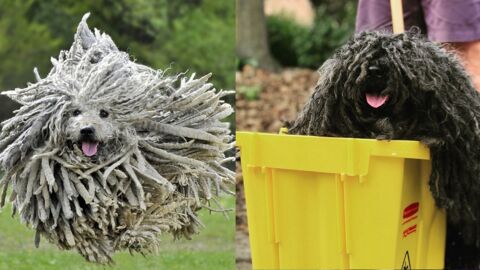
point(213, 248)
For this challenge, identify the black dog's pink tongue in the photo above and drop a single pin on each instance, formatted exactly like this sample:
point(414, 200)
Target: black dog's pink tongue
point(89, 148)
point(376, 101)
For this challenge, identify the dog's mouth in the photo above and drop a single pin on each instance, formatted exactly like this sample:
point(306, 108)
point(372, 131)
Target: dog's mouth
point(376, 85)
point(376, 100)
point(89, 148)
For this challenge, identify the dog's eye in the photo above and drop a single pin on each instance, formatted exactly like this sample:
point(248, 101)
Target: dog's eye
point(76, 112)
point(103, 114)
point(376, 71)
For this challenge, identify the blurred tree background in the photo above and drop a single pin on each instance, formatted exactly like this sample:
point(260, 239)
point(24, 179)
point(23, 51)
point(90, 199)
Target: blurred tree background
point(184, 35)
point(294, 44)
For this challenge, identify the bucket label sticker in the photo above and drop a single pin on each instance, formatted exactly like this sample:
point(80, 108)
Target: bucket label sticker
point(406, 262)
point(409, 230)
point(410, 211)
point(409, 214)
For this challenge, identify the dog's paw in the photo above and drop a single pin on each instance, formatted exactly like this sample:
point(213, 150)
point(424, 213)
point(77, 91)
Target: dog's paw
point(384, 137)
point(431, 141)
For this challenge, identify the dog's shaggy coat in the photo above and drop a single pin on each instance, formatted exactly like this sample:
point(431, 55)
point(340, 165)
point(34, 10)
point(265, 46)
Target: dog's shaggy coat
point(401, 86)
point(155, 159)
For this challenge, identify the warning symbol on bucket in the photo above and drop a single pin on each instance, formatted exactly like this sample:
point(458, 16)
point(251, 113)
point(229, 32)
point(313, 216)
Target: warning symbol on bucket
point(406, 262)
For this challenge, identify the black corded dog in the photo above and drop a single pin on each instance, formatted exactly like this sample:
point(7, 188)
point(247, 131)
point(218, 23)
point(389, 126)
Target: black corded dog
point(401, 86)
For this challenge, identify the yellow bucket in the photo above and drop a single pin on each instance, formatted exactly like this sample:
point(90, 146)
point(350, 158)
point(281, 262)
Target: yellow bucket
point(340, 203)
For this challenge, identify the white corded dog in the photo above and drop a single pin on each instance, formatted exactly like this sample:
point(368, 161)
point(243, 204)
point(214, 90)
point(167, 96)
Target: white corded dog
point(106, 154)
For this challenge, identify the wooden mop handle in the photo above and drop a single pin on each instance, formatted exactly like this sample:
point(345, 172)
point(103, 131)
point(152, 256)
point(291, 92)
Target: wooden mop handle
point(397, 16)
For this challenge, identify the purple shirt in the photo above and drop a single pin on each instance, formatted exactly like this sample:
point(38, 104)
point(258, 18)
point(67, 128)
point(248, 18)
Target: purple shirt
point(440, 20)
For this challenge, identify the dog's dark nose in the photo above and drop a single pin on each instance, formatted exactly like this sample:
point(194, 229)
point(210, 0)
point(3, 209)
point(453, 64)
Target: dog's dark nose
point(87, 131)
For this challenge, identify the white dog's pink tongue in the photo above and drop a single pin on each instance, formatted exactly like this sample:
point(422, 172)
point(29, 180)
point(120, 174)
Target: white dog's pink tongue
point(376, 101)
point(89, 148)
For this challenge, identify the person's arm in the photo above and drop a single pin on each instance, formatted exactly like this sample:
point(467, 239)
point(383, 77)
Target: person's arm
point(469, 52)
